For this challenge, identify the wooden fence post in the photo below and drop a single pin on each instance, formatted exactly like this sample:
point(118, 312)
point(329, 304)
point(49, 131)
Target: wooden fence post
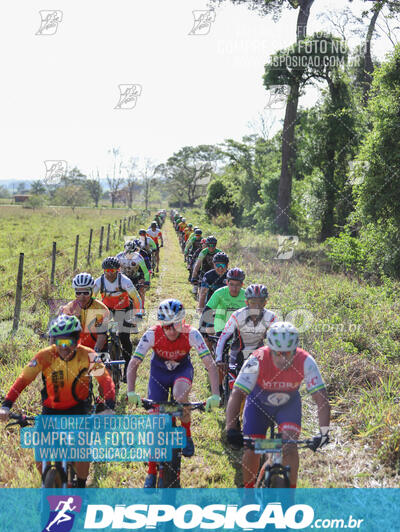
point(108, 238)
point(53, 263)
point(89, 246)
point(101, 240)
point(124, 231)
point(120, 227)
point(76, 253)
point(18, 293)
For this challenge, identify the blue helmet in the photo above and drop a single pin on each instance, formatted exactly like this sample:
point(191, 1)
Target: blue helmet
point(170, 311)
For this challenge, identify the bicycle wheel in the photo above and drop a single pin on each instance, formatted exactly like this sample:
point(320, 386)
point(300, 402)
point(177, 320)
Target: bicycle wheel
point(53, 478)
point(227, 390)
point(172, 470)
point(115, 354)
point(276, 477)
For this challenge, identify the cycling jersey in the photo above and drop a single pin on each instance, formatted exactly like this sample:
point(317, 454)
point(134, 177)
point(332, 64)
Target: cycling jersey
point(192, 244)
point(132, 263)
point(272, 393)
point(247, 335)
point(148, 243)
point(115, 295)
point(168, 350)
point(212, 281)
point(205, 260)
point(154, 235)
point(182, 226)
point(224, 304)
point(94, 319)
point(66, 384)
point(268, 384)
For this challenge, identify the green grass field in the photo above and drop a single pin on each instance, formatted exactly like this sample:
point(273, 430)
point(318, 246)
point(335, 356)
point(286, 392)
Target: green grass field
point(354, 336)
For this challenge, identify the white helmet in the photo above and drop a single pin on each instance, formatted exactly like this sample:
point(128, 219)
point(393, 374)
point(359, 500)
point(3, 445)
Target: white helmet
point(282, 336)
point(83, 280)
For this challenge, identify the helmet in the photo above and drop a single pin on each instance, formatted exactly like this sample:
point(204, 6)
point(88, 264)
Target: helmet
point(198, 232)
point(221, 257)
point(110, 262)
point(65, 325)
point(190, 225)
point(183, 219)
point(170, 311)
point(137, 244)
point(195, 228)
point(256, 290)
point(211, 240)
point(129, 246)
point(282, 336)
point(82, 280)
point(153, 223)
point(142, 232)
point(236, 274)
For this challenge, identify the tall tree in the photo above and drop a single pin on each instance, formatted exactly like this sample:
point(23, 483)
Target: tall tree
point(37, 187)
point(274, 7)
point(94, 188)
point(116, 181)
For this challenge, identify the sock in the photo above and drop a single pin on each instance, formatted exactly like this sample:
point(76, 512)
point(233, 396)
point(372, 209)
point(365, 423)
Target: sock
point(81, 483)
point(187, 428)
point(249, 484)
point(152, 469)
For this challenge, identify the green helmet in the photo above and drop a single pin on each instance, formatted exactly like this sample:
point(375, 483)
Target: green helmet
point(64, 326)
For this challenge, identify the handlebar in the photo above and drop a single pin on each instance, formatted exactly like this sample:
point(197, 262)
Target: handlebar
point(263, 446)
point(20, 419)
point(171, 407)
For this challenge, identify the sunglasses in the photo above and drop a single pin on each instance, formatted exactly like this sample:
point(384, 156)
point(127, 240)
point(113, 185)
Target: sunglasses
point(86, 293)
point(220, 265)
point(64, 342)
point(111, 270)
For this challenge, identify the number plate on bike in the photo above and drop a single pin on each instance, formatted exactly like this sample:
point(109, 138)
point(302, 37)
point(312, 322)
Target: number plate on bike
point(268, 446)
point(171, 409)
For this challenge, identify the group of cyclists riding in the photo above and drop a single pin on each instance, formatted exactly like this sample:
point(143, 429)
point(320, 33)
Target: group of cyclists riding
point(264, 380)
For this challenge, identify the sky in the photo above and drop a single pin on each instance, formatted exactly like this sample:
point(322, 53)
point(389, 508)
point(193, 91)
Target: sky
point(60, 95)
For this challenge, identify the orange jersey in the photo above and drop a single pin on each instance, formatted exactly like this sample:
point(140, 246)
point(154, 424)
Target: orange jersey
point(65, 383)
point(94, 320)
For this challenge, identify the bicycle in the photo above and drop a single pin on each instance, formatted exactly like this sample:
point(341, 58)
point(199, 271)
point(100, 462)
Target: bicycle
point(54, 474)
point(272, 474)
point(114, 367)
point(223, 368)
point(168, 473)
point(115, 353)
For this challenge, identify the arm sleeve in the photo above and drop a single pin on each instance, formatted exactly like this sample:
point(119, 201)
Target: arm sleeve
point(96, 288)
point(29, 374)
point(213, 301)
point(145, 344)
point(227, 333)
point(145, 271)
point(133, 293)
point(248, 376)
point(312, 376)
point(196, 340)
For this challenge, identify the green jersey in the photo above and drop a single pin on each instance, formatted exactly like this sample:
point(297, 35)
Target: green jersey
point(224, 304)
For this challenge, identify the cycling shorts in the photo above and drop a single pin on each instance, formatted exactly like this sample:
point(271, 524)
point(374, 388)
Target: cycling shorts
point(163, 379)
point(258, 416)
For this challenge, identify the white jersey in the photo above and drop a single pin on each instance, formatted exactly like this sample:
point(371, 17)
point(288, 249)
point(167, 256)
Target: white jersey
point(131, 263)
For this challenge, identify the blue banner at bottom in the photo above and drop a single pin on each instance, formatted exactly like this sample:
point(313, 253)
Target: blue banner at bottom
point(76, 510)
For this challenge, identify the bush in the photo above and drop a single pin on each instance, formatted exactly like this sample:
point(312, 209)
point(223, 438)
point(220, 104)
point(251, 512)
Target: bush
point(34, 202)
point(223, 220)
point(346, 252)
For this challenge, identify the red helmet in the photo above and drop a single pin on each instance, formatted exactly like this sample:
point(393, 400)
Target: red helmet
point(236, 274)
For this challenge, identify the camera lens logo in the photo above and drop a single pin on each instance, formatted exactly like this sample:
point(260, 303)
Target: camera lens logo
point(49, 21)
point(62, 513)
point(128, 95)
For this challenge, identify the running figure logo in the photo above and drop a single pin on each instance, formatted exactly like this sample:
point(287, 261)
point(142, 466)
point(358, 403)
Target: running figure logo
point(61, 518)
point(49, 21)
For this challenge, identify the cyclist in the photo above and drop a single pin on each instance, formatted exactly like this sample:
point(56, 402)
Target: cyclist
point(154, 233)
point(92, 313)
point(186, 234)
point(204, 261)
point(192, 262)
point(193, 242)
point(120, 297)
point(247, 327)
point(148, 245)
point(171, 366)
point(214, 279)
point(64, 366)
point(269, 381)
point(134, 267)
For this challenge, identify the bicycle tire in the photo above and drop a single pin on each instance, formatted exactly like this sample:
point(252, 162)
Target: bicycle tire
point(171, 470)
point(276, 477)
point(53, 479)
point(227, 391)
point(115, 353)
